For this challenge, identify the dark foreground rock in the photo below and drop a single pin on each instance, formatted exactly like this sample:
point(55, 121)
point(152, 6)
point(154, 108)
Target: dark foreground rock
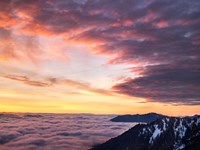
point(168, 133)
point(146, 118)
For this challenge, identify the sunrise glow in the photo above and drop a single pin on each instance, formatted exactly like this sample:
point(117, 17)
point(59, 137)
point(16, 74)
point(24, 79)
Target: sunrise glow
point(92, 57)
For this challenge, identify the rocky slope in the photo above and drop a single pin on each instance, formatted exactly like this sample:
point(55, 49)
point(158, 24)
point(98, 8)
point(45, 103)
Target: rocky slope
point(168, 133)
point(146, 118)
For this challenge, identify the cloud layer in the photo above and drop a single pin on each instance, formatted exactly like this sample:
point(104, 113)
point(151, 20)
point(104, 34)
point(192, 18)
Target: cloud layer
point(48, 131)
point(160, 39)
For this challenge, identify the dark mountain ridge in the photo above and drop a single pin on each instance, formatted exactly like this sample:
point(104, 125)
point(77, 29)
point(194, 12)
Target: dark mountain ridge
point(168, 133)
point(145, 118)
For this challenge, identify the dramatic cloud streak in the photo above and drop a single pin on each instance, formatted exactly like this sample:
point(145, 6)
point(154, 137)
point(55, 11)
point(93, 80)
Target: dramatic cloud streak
point(27, 81)
point(159, 39)
point(165, 84)
point(50, 82)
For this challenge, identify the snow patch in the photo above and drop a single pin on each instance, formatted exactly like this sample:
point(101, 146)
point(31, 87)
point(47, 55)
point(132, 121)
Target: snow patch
point(191, 123)
point(180, 129)
point(198, 120)
point(180, 147)
point(164, 125)
point(143, 131)
point(156, 133)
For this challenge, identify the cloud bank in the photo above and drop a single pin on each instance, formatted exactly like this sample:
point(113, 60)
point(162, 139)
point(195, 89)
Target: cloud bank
point(56, 131)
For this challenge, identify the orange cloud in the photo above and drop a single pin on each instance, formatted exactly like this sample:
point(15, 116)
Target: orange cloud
point(27, 81)
point(161, 24)
point(50, 82)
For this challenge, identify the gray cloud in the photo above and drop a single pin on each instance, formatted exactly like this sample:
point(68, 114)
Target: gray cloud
point(165, 84)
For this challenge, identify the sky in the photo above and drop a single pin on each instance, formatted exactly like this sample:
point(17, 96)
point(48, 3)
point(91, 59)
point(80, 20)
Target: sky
point(100, 56)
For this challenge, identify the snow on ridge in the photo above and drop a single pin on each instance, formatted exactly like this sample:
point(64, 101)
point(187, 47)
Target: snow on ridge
point(156, 133)
point(198, 120)
point(195, 120)
point(143, 131)
point(175, 127)
point(180, 147)
point(180, 129)
point(190, 124)
point(164, 125)
point(180, 126)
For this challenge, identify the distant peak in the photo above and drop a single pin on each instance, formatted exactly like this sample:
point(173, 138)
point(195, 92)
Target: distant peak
point(167, 133)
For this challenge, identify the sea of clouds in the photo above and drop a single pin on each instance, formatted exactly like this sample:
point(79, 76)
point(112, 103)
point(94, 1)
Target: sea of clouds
point(56, 131)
